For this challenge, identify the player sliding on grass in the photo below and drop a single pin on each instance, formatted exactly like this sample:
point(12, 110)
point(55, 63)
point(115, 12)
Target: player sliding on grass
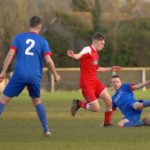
point(128, 105)
point(30, 49)
point(92, 87)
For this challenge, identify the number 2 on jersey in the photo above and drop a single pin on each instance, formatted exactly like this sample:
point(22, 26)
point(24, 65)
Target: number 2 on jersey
point(29, 48)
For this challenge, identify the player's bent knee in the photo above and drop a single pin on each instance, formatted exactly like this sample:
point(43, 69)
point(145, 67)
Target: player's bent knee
point(36, 101)
point(95, 108)
point(138, 106)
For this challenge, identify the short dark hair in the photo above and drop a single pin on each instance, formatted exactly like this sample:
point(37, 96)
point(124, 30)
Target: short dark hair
point(35, 21)
point(115, 76)
point(98, 36)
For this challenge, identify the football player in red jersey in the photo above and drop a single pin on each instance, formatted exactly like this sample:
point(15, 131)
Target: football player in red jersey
point(92, 87)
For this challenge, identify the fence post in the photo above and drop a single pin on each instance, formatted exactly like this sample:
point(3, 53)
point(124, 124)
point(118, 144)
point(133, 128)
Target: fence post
point(52, 83)
point(143, 78)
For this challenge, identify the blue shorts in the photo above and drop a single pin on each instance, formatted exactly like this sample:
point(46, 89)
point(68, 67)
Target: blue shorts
point(133, 118)
point(134, 115)
point(16, 85)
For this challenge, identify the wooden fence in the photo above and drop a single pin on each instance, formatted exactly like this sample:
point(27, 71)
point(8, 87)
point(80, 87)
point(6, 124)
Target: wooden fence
point(70, 78)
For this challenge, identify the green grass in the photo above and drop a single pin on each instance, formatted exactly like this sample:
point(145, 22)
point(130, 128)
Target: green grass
point(20, 128)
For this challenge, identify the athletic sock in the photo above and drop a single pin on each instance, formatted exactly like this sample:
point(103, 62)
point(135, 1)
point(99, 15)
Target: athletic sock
point(42, 116)
point(108, 116)
point(140, 123)
point(1, 107)
point(146, 103)
point(82, 104)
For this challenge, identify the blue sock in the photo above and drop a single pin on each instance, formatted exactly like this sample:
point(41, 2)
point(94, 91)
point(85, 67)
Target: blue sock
point(1, 108)
point(131, 124)
point(140, 123)
point(42, 116)
point(146, 103)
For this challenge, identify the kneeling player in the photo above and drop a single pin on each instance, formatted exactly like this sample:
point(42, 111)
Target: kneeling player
point(128, 105)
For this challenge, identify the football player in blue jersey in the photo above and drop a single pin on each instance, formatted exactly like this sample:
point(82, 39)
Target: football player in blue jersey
point(130, 107)
point(30, 49)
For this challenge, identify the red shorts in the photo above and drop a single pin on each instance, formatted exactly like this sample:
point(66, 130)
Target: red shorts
point(92, 92)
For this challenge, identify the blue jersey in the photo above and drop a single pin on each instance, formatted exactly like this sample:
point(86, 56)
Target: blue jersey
point(124, 100)
point(30, 49)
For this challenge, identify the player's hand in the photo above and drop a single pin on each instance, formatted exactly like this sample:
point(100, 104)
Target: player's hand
point(57, 77)
point(2, 76)
point(70, 53)
point(148, 82)
point(116, 68)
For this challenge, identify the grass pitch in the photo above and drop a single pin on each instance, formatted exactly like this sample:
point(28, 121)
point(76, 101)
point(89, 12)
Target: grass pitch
point(20, 128)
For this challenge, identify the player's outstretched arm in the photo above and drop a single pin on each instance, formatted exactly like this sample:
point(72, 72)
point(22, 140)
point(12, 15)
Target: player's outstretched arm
point(140, 85)
point(7, 62)
point(113, 68)
point(51, 67)
point(71, 54)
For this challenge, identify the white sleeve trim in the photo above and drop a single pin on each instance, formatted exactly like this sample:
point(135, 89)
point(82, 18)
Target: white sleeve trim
point(85, 50)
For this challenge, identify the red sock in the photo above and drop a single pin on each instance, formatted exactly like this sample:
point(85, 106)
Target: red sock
point(82, 104)
point(108, 115)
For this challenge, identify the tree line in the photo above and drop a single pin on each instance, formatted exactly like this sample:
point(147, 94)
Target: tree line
point(70, 24)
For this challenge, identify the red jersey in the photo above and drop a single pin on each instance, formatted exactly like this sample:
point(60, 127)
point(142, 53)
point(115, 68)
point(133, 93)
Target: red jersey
point(88, 66)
